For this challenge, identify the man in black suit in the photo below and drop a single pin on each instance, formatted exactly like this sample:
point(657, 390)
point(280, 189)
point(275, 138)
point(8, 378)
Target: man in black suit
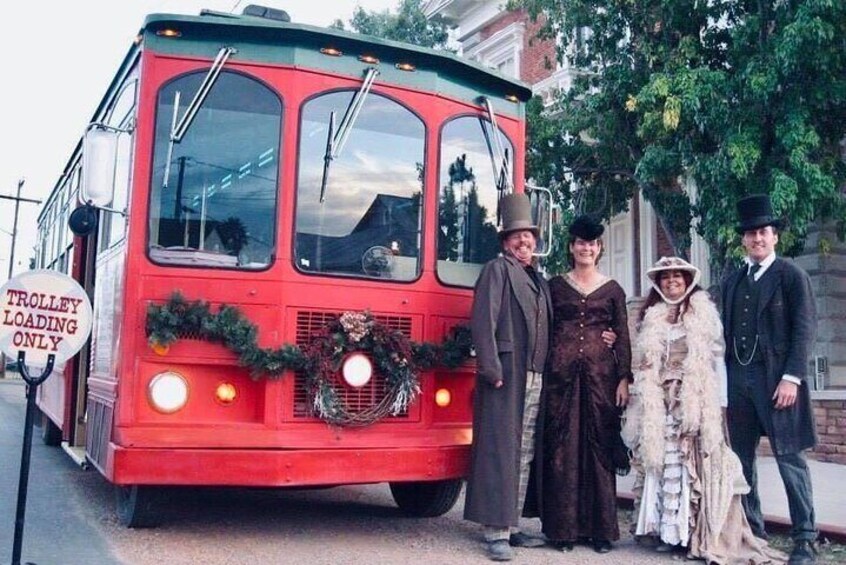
point(769, 319)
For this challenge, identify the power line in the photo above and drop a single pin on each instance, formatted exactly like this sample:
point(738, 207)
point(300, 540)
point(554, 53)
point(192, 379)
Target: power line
point(20, 199)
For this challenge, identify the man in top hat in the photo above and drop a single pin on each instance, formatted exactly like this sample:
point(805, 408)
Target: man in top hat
point(769, 320)
point(510, 324)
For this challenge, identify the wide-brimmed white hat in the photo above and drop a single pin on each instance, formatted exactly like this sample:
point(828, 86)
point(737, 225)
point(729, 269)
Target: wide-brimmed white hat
point(672, 264)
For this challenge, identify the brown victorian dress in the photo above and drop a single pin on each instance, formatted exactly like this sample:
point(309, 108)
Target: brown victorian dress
point(582, 421)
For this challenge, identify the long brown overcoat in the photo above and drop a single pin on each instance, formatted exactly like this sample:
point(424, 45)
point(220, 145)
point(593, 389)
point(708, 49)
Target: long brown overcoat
point(505, 306)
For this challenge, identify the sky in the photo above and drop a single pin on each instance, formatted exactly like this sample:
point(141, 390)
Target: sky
point(58, 59)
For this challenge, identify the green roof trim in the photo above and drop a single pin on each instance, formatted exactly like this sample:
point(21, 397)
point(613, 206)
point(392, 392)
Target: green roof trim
point(274, 42)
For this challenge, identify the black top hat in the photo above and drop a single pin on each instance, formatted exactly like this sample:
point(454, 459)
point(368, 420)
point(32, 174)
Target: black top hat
point(756, 211)
point(586, 227)
point(516, 214)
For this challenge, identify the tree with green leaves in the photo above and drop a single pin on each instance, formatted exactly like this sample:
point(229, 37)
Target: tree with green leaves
point(737, 96)
point(408, 24)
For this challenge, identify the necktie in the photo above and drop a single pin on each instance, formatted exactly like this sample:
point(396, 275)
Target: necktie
point(753, 268)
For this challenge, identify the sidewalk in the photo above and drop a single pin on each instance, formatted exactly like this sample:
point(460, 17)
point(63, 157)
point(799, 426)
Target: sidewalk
point(829, 481)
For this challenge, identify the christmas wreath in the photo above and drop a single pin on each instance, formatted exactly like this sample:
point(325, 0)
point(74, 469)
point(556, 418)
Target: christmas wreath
point(394, 356)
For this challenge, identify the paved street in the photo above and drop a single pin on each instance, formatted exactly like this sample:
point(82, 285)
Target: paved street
point(57, 525)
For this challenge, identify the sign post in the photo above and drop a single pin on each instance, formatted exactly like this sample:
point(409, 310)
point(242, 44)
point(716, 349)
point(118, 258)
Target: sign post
point(45, 318)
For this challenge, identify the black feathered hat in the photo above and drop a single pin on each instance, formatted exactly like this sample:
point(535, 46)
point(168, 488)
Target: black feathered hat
point(756, 211)
point(586, 227)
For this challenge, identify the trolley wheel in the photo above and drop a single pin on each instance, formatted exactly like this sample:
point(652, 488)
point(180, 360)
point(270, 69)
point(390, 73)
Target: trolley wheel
point(426, 499)
point(51, 434)
point(136, 506)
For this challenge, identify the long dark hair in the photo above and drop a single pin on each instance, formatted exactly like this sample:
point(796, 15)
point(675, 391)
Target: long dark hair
point(655, 297)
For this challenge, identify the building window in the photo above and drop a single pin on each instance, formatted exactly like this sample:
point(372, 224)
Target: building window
point(501, 51)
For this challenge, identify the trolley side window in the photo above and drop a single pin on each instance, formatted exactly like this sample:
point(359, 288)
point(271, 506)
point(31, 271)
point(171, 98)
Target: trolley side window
point(365, 219)
point(55, 247)
point(467, 203)
point(121, 116)
point(218, 205)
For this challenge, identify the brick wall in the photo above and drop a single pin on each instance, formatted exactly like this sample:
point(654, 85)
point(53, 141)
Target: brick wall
point(830, 419)
point(505, 20)
point(663, 242)
point(537, 58)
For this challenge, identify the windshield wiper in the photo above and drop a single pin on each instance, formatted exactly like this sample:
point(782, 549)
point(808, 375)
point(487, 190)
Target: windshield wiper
point(178, 130)
point(335, 140)
point(499, 156)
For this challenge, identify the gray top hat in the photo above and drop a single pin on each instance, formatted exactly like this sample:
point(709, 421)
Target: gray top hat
point(756, 211)
point(516, 214)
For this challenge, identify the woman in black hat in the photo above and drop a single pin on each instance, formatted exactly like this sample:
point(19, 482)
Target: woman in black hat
point(586, 387)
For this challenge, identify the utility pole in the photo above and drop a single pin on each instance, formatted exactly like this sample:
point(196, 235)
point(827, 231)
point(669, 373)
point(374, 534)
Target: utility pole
point(15, 228)
point(18, 201)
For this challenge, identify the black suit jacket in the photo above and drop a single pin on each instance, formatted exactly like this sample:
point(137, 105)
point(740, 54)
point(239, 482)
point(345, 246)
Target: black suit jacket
point(786, 326)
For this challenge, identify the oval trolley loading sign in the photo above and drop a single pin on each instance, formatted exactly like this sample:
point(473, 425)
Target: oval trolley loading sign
point(42, 313)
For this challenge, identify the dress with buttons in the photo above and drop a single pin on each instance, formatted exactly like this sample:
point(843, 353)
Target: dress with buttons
point(581, 422)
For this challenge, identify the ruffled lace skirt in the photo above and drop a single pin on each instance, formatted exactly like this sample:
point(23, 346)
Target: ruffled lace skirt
point(664, 508)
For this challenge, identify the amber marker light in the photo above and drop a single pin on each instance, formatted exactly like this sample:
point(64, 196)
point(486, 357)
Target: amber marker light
point(168, 32)
point(368, 59)
point(225, 393)
point(443, 397)
point(160, 349)
point(512, 98)
point(407, 67)
point(331, 51)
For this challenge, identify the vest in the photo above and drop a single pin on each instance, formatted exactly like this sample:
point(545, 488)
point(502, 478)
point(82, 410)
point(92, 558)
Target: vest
point(744, 331)
point(539, 349)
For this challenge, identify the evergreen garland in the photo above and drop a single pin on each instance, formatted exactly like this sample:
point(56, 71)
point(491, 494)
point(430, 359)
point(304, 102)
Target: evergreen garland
point(394, 357)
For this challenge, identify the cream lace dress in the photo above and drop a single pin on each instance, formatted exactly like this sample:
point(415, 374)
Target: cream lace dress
point(665, 505)
point(694, 502)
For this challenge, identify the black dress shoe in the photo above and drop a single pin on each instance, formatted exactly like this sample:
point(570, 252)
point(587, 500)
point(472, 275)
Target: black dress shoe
point(761, 534)
point(804, 553)
point(563, 545)
point(602, 546)
point(520, 539)
point(665, 547)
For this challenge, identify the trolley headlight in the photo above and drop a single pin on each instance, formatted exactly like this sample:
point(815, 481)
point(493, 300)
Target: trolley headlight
point(167, 392)
point(357, 370)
